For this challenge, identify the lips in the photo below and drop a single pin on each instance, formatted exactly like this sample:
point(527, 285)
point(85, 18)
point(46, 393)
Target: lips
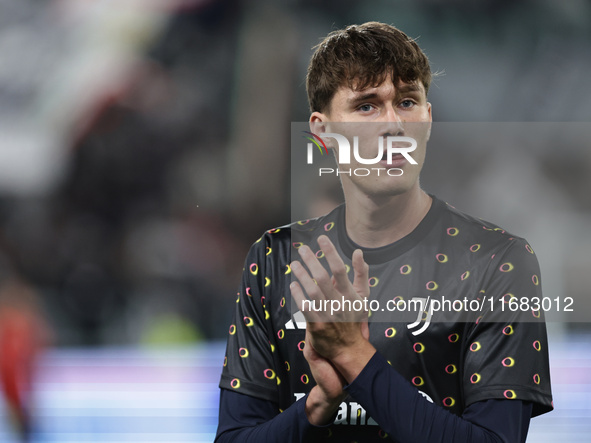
point(398, 161)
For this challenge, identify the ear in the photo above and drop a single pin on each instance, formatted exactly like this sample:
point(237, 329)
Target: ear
point(320, 123)
point(430, 121)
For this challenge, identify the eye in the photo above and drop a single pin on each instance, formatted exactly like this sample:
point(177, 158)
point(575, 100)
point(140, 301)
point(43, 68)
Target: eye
point(365, 108)
point(407, 103)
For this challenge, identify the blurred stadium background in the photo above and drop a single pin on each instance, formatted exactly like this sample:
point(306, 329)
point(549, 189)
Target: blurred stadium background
point(144, 145)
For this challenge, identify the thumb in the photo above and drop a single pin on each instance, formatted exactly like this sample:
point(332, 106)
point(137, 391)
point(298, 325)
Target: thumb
point(365, 329)
point(361, 274)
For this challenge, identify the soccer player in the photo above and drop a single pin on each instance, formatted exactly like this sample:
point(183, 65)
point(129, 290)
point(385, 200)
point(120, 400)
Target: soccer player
point(302, 365)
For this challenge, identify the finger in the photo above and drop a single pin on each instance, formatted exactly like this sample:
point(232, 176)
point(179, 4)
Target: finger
point(335, 263)
point(298, 295)
point(321, 278)
point(365, 328)
point(306, 281)
point(310, 353)
point(361, 274)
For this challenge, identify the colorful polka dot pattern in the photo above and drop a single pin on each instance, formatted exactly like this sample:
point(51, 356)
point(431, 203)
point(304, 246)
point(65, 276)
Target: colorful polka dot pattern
point(447, 360)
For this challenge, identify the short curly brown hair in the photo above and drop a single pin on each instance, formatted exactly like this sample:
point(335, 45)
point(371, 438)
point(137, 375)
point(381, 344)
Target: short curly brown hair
point(361, 56)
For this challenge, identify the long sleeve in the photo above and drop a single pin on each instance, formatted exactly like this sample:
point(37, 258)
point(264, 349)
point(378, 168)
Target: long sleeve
point(408, 417)
point(405, 415)
point(247, 419)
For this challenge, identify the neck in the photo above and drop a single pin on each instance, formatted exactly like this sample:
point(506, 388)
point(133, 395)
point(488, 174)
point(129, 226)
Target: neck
point(379, 221)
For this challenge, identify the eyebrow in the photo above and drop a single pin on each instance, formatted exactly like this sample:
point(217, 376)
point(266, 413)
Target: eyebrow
point(404, 89)
point(409, 87)
point(363, 97)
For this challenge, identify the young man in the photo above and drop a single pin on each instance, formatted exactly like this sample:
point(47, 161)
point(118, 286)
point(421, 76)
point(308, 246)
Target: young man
point(293, 373)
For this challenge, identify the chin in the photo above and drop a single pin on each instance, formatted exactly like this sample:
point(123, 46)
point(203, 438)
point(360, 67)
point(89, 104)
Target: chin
point(384, 188)
point(386, 192)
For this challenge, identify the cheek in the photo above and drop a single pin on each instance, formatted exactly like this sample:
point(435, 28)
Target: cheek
point(419, 155)
point(421, 133)
point(419, 130)
point(421, 150)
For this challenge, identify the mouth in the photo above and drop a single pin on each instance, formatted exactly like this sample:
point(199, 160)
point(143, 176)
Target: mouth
point(396, 161)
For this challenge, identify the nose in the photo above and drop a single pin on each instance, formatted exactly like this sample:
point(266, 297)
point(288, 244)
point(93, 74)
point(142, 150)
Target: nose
point(392, 123)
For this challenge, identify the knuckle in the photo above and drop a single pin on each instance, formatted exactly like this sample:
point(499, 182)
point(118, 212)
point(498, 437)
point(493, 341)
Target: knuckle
point(339, 270)
point(307, 351)
point(322, 279)
point(313, 292)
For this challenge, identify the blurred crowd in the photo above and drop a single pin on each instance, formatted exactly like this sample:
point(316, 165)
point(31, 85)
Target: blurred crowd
point(128, 242)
